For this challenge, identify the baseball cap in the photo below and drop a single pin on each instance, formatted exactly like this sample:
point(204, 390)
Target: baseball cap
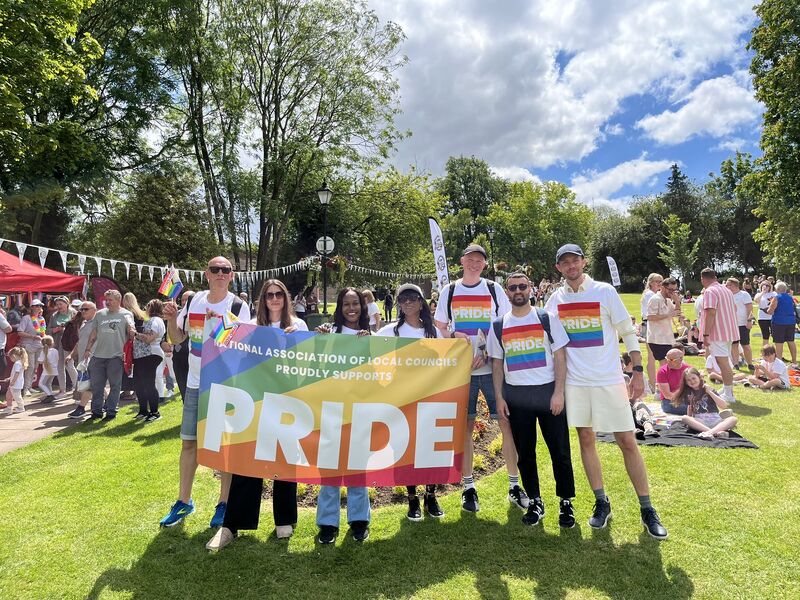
point(569, 249)
point(475, 248)
point(76, 303)
point(37, 302)
point(410, 286)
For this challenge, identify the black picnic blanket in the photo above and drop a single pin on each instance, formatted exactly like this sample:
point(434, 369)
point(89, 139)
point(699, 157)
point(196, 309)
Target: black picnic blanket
point(678, 435)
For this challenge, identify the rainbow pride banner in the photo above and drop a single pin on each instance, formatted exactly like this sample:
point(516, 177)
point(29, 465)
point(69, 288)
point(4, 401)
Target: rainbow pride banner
point(171, 285)
point(334, 409)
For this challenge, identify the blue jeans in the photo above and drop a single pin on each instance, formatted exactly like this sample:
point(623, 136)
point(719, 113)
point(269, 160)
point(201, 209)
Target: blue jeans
point(669, 408)
point(100, 371)
point(484, 384)
point(328, 510)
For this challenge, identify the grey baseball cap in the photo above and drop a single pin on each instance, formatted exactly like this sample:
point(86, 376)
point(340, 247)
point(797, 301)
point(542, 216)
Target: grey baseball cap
point(475, 248)
point(569, 249)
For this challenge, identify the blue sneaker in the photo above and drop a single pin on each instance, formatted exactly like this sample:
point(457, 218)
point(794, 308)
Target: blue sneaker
point(177, 513)
point(219, 515)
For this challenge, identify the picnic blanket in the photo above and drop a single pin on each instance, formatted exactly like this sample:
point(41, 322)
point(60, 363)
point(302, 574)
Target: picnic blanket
point(676, 434)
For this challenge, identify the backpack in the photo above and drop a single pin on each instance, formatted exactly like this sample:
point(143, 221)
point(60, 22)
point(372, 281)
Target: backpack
point(452, 289)
point(69, 339)
point(544, 319)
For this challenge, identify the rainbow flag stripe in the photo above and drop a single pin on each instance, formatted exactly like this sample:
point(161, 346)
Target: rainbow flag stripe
point(225, 326)
point(197, 323)
point(171, 286)
point(582, 322)
point(472, 313)
point(524, 347)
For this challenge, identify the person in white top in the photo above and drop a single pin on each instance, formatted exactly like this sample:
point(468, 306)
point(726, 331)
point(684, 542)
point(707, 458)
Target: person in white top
point(596, 395)
point(273, 309)
point(414, 320)
point(16, 381)
point(772, 373)
point(651, 288)
point(190, 325)
point(528, 371)
point(744, 320)
point(147, 358)
point(373, 311)
point(469, 305)
point(763, 299)
point(48, 358)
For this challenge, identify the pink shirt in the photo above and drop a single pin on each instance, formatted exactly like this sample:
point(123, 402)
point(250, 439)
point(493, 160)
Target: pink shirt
point(671, 376)
point(725, 329)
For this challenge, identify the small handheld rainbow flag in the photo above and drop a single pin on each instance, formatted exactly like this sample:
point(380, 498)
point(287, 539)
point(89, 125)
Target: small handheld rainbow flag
point(224, 328)
point(171, 287)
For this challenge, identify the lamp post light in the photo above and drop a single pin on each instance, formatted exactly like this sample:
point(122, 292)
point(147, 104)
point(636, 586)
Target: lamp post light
point(522, 245)
point(325, 196)
point(490, 233)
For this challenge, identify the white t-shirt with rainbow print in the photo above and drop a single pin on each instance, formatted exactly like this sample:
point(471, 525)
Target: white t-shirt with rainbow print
point(588, 316)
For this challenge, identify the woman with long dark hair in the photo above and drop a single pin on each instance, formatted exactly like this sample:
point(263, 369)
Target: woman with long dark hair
point(415, 320)
point(273, 309)
point(349, 318)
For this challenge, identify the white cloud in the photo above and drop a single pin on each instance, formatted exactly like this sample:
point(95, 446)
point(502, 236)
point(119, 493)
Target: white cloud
point(731, 145)
point(715, 107)
point(515, 174)
point(614, 129)
point(536, 83)
point(599, 186)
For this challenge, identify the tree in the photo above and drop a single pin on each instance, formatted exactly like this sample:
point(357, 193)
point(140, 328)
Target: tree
point(679, 253)
point(775, 43)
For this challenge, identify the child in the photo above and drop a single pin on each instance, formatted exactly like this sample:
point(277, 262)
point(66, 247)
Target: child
point(49, 360)
point(714, 374)
point(16, 381)
point(704, 406)
point(772, 373)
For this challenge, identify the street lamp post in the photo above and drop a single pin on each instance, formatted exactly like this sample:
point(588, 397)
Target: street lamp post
point(490, 233)
point(522, 245)
point(325, 196)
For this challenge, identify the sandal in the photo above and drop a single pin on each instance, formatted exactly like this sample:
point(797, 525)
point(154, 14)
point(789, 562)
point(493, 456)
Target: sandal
point(723, 435)
point(705, 435)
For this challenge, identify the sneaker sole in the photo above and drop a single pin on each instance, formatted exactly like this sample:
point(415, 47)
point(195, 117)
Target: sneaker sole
point(513, 501)
point(652, 535)
point(178, 522)
point(604, 525)
point(440, 516)
point(327, 543)
point(539, 522)
point(366, 537)
point(414, 519)
point(470, 511)
point(560, 524)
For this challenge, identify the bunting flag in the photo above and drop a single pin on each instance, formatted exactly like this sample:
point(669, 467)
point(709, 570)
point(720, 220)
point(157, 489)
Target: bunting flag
point(171, 285)
point(139, 268)
point(21, 250)
point(152, 271)
point(127, 270)
point(81, 262)
point(63, 254)
point(99, 262)
point(42, 256)
point(113, 267)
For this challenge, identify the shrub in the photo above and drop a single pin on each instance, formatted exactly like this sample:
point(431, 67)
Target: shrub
point(479, 462)
point(496, 445)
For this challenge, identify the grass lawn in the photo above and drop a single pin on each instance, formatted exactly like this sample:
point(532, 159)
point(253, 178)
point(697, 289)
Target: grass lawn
point(83, 505)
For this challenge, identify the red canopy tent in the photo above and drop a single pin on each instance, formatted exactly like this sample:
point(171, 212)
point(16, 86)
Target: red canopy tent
point(29, 277)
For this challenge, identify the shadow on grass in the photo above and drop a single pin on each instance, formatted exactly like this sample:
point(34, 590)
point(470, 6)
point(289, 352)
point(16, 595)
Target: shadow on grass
point(123, 426)
point(418, 556)
point(750, 410)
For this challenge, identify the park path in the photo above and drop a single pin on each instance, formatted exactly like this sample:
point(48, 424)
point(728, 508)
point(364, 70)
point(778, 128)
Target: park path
point(37, 422)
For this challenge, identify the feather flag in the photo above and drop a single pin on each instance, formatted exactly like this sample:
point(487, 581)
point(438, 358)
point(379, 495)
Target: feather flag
point(171, 286)
point(224, 328)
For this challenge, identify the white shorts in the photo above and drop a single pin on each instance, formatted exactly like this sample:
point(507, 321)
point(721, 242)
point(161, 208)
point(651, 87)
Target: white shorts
point(720, 348)
point(603, 408)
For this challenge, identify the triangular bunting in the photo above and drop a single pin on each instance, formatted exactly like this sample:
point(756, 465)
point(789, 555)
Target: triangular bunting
point(113, 268)
point(139, 268)
point(99, 262)
point(21, 250)
point(63, 255)
point(42, 256)
point(127, 270)
point(81, 262)
point(152, 271)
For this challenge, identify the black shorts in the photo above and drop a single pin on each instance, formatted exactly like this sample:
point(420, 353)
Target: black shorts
point(659, 351)
point(744, 335)
point(782, 333)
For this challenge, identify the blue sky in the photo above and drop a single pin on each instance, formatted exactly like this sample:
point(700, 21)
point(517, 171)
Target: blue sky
point(601, 95)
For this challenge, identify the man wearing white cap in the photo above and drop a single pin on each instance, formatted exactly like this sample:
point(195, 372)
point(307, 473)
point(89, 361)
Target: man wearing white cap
point(595, 393)
point(468, 307)
point(58, 321)
point(31, 330)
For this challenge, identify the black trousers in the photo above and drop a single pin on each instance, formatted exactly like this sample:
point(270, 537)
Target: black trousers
point(244, 503)
point(3, 386)
point(429, 489)
point(766, 328)
point(526, 405)
point(144, 383)
point(180, 364)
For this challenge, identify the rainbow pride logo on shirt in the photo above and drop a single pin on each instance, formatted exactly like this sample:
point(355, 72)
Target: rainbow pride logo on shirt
point(582, 323)
point(472, 313)
point(524, 347)
point(197, 323)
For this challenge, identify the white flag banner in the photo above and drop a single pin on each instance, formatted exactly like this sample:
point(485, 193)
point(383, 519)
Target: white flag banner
point(42, 256)
point(21, 250)
point(113, 268)
point(127, 270)
point(152, 271)
point(185, 275)
point(612, 266)
point(139, 268)
point(162, 271)
point(99, 262)
point(63, 255)
point(81, 262)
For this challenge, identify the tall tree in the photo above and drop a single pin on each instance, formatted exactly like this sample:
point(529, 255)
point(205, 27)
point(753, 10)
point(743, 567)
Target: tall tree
point(679, 252)
point(775, 43)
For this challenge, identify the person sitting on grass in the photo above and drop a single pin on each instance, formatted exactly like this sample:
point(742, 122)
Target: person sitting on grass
point(771, 373)
point(714, 375)
point(704, 406)
point(668, 380)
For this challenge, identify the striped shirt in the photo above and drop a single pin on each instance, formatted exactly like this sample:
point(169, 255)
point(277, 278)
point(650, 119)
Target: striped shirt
point(720, 298)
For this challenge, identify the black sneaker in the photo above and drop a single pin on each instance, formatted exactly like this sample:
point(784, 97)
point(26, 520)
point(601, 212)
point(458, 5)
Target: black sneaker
point(48, 399)
point(152, 418)
point(327, 534)
point(653, 524)
point(517, 496)
point(414, 512)
point(601, 514)
point(566, 514)
point(77, 413)
point(360, 530)
point(95, 416)
point(469, 500)
point(535, 513)
point(140, 416)
point(432, 506)
point(109, 417)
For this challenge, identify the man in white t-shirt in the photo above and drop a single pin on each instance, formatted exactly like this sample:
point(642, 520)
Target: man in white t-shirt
point(744, 320)
point(661, 310)
point(468, 307)
point(596, 395)
point(529, 367)
point(190, 325)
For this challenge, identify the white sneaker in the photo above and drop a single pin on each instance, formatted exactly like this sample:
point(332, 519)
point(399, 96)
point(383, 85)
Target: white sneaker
point(222, 538)
point(18, 410)
point(284, 531)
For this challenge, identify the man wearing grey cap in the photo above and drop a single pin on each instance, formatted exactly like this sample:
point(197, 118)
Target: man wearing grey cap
point(595, 393)
point(466, 309)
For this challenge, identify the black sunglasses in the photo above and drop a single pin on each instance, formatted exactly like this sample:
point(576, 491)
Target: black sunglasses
point(216, 270)
point(518, 286)
point(273, 295)
point(403, 299)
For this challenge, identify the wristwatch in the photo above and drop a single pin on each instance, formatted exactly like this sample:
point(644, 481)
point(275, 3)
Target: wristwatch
point(638, 368)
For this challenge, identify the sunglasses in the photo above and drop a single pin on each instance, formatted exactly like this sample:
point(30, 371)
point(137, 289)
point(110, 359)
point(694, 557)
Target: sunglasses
point(518, 286)
point(216, 270)
point(407, 299)
point(273, 295)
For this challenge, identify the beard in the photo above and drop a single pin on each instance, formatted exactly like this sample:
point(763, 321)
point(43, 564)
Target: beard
point(519, 300)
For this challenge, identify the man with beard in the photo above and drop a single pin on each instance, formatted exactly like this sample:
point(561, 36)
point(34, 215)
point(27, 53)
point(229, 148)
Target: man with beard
point(529, 367)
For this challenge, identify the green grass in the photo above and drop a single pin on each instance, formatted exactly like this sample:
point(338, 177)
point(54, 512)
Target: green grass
point(82, 509)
